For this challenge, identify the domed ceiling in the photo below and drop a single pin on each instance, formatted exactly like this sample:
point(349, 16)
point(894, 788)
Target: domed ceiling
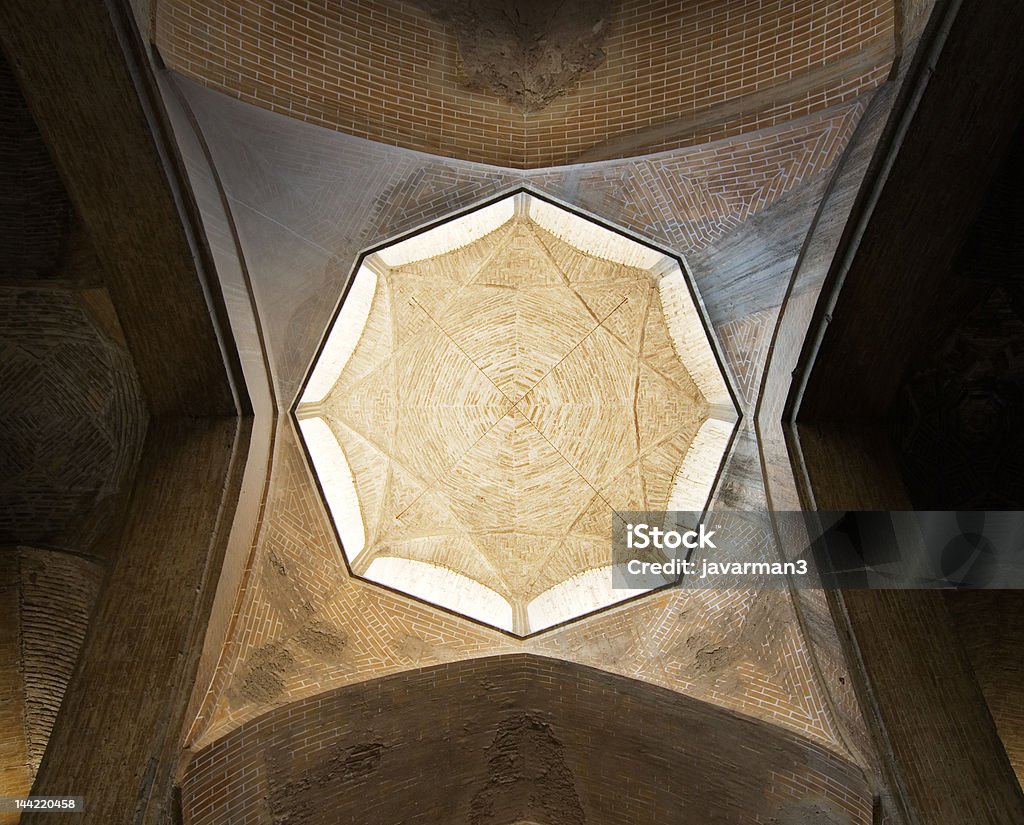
point(491, 389)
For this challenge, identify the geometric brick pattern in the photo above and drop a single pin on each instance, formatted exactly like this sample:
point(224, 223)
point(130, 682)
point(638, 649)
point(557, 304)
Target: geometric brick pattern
point(306, 626)
point(684, 199)
point(689, 199)
point(745, 340)
point(74, 420)
point(385, 70)
point(523, 365)
point(303, 216)
point(306, 201)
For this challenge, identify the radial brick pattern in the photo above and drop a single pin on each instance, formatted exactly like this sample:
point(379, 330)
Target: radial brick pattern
point(503, 398)
point(306, 201)
point(741, 650)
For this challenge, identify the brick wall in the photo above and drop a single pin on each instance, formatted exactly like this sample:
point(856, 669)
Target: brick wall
point(383, 70)
point(46, 600)
point(990, 624)
point(516, 738)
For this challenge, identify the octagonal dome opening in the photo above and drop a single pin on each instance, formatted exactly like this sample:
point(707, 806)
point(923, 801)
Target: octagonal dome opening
point(491, 389)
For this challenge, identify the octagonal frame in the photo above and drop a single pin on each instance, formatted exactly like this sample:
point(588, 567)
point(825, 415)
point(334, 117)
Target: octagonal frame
point(708, 336)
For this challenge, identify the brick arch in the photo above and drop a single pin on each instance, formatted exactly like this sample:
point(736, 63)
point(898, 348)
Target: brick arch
point(510, 739)
point(46, 602)
point(676, 74)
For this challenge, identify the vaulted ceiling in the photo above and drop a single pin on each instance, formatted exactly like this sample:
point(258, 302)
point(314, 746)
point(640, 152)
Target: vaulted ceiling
point(295, 206)
point(306, 202)
point(673, 74)
point(735, 136)
point(491, 390)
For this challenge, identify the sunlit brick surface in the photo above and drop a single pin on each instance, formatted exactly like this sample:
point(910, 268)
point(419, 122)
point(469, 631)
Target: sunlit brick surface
point(46, 602)
point(676, 74)
point(477, 413)
point(306, 625)
point(306, 202)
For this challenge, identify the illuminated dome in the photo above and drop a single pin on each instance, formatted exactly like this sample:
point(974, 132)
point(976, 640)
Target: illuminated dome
point(491, 389)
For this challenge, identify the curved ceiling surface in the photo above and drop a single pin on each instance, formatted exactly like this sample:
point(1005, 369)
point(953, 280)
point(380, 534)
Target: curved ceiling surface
point(670, 74)
point(490, 390)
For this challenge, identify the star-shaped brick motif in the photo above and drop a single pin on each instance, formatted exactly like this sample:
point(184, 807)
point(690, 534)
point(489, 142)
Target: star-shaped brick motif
point(501, 399)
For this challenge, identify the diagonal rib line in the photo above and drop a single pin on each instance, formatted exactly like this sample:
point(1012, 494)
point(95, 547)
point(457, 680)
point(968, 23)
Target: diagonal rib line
point(513, 404)
point(460, 349)
point(570, 352)
point(571, 465)
point(455, 464)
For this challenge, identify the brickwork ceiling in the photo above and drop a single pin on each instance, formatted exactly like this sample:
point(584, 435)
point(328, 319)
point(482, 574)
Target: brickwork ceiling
point(416, 581)
point(306, 202)
point(500, 399)
point(452, 406)
point(674, 74)
point(510, 739)
point(74, 419)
